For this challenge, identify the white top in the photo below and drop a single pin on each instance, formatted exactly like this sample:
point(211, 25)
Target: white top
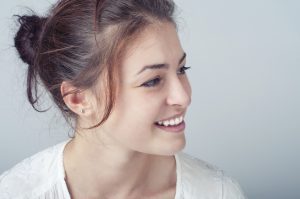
point(41, 176)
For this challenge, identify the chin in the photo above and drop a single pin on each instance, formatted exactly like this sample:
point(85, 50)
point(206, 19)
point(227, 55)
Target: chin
point(175, 148)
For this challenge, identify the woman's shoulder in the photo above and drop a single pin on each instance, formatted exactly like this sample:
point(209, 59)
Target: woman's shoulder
point(33, 173)
point(200, 179)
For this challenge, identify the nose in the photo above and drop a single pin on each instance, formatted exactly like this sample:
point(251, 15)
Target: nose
point(179, 93)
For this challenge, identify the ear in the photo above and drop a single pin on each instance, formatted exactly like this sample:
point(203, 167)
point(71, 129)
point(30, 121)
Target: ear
point(79, 102)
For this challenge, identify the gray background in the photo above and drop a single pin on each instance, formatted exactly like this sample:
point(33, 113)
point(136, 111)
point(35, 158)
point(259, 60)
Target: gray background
point(245, 109)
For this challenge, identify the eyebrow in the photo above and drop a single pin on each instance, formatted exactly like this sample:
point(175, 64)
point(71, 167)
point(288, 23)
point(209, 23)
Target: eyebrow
point(160, 66)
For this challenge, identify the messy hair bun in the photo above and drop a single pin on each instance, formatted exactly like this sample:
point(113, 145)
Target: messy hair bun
point(79, 39)
point(26, 39)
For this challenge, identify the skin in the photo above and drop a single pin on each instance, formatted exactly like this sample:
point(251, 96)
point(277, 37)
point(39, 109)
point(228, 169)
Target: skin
point(128, 156)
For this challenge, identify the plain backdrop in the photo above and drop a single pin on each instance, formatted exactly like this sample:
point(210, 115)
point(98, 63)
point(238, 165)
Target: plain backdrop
point(245, 112)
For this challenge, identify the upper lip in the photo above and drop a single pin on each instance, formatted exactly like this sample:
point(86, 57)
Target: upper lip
point(172, 117)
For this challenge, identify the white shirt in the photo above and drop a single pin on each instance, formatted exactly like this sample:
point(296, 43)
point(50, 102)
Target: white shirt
point(42, 176)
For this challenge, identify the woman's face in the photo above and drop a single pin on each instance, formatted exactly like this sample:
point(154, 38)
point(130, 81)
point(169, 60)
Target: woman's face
point(153, 88)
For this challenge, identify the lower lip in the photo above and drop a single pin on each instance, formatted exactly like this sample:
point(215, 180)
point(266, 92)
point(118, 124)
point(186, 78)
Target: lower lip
point(173, 129)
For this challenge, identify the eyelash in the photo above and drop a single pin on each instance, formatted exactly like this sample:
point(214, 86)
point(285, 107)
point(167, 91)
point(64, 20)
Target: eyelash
point(183, 69)
point(154, 82)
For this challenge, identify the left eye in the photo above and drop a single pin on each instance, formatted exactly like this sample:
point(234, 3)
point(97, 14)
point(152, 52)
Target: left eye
point(152, 83)
point(182, 70)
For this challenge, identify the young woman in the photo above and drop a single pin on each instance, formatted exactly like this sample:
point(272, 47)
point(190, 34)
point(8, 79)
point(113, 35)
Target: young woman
point(116, 69)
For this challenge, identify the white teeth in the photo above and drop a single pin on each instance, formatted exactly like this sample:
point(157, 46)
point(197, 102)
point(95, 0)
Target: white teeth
point(177, 120)
point(181, 119)
point(166, 123)
point(171, 122)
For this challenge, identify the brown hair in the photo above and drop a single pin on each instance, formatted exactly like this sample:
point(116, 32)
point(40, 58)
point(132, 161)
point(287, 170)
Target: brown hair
point(78, 39)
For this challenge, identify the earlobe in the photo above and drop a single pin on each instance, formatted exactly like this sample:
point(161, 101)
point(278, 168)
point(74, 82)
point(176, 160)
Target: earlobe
point(74, 98)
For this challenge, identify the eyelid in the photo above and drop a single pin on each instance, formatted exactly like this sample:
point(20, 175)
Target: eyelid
point(157, 78)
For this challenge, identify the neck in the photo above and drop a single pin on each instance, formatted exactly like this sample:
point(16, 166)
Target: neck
point(101, 170)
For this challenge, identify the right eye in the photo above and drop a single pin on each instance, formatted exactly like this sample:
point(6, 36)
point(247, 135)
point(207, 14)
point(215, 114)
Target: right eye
point(152, 83)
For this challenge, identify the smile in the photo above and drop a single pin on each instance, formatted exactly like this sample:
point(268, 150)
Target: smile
point(171, 122)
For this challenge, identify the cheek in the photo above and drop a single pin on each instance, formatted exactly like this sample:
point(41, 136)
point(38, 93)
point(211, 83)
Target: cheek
point(144, 108)
point(133, 120)
point(137, 109)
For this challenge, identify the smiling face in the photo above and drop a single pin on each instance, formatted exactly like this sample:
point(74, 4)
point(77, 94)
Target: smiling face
point(153, 90)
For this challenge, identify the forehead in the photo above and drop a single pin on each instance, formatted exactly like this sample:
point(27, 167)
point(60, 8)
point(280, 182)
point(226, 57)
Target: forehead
point(157, 44)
